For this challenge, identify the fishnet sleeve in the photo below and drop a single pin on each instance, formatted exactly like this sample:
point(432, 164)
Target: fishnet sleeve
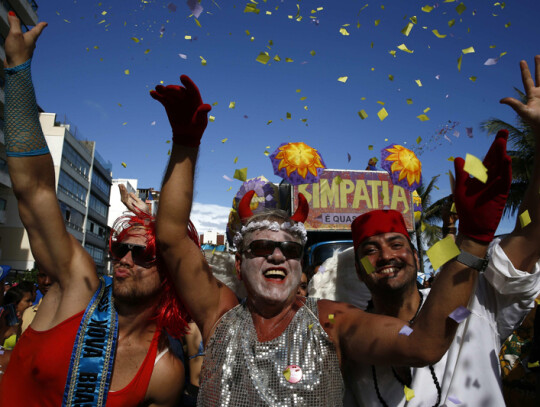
point(23, 133)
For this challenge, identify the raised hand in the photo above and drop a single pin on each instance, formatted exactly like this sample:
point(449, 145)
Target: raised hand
point(186, 112)
point(132, 201)
point(20, 47)
point(480, 206)
point(530, 112)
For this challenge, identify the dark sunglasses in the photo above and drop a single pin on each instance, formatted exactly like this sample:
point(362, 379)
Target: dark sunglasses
point(264, 248)
point(140, 254)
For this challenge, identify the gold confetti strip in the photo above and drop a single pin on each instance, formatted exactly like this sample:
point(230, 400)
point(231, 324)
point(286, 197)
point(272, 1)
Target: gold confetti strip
point(232, 105)
point(404, 48)
point(427, 9)
point(343, 79)
point(436, 32)
point(368, 267)
point(407, 30)
point(343, 31)
point(475, 167)
point(524, 218)
point(383, 114)
point(263, 58)
point(363, 115)
point(124, 165)
point(418, 82)
point(423, 118)
point(469, 50)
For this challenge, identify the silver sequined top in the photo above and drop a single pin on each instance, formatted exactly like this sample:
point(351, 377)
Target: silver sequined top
point(238, 370)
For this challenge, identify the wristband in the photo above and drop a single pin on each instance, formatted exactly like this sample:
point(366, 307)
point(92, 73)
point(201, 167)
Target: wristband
point(472, 261)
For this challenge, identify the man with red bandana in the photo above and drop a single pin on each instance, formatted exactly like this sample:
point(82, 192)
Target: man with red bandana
point(123, 334)
point(469, 373)
point(276, 347)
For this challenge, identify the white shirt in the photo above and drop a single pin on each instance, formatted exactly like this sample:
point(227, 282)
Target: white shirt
point(469, 373)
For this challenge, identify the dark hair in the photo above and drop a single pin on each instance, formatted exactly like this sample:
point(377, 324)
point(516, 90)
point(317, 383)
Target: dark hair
point(13, 296)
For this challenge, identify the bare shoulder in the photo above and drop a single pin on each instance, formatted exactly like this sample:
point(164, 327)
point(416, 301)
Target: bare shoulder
point(167, 382)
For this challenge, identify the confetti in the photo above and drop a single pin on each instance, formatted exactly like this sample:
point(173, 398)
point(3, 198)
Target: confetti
point(469, 50)
point(363, 115)
point(409, 101)
point(409, 393)
point(475, 167)
point(183, 56)
point(289, 116)
point(310, 326)
point(126, 72)
point(442, 252)
point(436, 32)
point(263, 58)
point(460, 314)
point(461, 8)
point(124, 165)
point(343, 79)
point(368, 267)
point(391, 77)
point(153, 123)
point(240, 174)
point(423, 118)
point(370, 147)
point(287, 374)
point(227, 178)
point(418, 82)
point(195, 7)
point(472, 78)
point(451, 23)
point(454, 400)
point(312, 53)
point(469, 132)
point(203, 61)
point(407, 30)
point(507, 25)
point(331, 318)
point(491, 61)
point(524, 218)
point(211, 118)
point(383, 114)
point(427, 9)
point(404, 48)
point(135, 40)
point(460, 58)
point(418, 140)
point(405, 330)
point(232, 105)
point(224, 140)
point(343, 31)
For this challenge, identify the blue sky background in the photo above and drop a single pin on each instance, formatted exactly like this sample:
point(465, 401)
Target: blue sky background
point(80, 65)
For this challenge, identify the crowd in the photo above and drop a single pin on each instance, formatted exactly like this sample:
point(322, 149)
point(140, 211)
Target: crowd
point(164, 331)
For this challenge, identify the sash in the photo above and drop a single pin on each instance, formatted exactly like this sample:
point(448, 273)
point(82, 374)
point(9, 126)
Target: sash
point(93, 353)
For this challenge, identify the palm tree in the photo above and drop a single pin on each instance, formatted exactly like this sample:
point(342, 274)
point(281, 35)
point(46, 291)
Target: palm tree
point(522, 143)
point(426, 229)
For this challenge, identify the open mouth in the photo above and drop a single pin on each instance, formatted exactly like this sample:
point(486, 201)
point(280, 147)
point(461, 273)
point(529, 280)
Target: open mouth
point(275, 275)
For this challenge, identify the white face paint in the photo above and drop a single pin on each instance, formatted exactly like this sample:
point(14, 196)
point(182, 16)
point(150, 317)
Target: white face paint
point(273, 279)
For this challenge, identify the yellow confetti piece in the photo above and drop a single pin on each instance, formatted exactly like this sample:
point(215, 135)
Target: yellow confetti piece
point(392, 52)
point(453, 208)
point(187, 37)
point(298, 90)
point(377, 22)
point(363, 115)
point(413, 20)
point(312, 53)
point(427, 109)
point(442, 252)
point(263, 58)
point(289, 60)
point(409, 393)
point(240, 174)
point(459, 62)
point(461, 8)
point(203, 61)
point(451, 23)
point(381, 103)
point(418, 82)
point(277, 58)
point(287, 374)
point(427, 9)
point(404, 48)
point(235, 160)
point(535, 364)
point(407, 30)
point(289, 116)
point(423, 118)
point(126, 72)
point(343, 79)
point(368, 267)
point(147, 51)
point(507, 25)
point(232, 105)
point(409, 101)
point(475, 167)
point(269, 121)
point(303, 98)
point(383, 114)
point(101, 22)
point(418, 140)
point(537, 301)
point(472, 78)
point(251, 8)
point(103, 13)
point(524, 218)
point(135, 40)
point(436, 32)
point(370, 147)
point(469, 50)
point(266, 153)
point(343, 31)
point(310, 326)
point(391, 77)
point(492, 46)
point(224, 140)
point(211, 118)
point(502, 54)
point(331, 318)
point(124, 165)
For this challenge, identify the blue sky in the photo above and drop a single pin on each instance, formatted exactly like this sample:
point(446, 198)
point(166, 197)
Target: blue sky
point(80, 65)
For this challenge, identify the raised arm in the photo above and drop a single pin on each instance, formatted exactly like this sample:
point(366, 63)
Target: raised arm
point(365, 338)
point(32, 173)
point(205, 297)
point(522, 245)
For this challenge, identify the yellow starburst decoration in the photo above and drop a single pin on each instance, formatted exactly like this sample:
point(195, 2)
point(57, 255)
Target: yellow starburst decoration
point(406, 163)
point(299, 157)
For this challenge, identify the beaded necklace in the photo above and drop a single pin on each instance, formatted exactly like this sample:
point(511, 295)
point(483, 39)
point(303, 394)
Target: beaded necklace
point(431, 369)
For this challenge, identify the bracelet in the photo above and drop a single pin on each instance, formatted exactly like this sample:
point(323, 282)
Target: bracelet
point(449, 230)
point(472, 261)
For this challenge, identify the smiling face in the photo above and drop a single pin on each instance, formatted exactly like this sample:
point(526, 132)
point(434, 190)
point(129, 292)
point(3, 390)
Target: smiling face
point(272, 279)
point(135, 283)
point(394, 263)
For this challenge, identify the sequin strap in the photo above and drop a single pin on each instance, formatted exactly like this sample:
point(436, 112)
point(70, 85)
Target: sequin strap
point(23, 134)
point(93, 353)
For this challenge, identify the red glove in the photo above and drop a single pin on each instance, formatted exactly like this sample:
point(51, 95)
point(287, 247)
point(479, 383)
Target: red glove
point(480, 206)
point(185, 110)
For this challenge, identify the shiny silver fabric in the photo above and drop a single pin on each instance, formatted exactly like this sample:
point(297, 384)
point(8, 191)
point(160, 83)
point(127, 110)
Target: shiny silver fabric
point(238, 370)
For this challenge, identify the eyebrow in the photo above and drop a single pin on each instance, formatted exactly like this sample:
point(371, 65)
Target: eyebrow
point(389, 240)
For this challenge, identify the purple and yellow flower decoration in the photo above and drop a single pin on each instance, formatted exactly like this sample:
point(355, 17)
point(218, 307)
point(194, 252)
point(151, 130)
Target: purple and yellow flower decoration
point(403, 165)
point(297, 163)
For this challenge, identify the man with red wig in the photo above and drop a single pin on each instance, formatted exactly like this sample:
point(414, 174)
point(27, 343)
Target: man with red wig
point(93, 341)
point(277, 348)
point(469, 373)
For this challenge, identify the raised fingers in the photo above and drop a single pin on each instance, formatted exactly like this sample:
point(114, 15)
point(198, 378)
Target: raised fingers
point(526, 77)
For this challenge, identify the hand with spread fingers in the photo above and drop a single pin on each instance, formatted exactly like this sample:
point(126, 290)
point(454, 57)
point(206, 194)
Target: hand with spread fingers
point(20, 46)
point(480, 205)
point(186, 112)
point(132, 201)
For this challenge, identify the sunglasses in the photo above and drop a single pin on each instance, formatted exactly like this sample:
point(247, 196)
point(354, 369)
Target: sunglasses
point(140, 254)
point(264, 248)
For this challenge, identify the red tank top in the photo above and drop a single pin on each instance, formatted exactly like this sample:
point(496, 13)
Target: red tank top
point(37, 372)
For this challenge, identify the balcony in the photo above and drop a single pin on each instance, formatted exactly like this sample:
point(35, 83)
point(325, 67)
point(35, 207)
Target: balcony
point(2, 216)
point(26, 10)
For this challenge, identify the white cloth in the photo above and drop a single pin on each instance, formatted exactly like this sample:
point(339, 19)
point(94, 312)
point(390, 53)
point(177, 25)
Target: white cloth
point(469, 373)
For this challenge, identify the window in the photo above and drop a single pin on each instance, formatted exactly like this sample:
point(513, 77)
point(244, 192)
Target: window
point(101, 183)
point(71, 187)
point(3, 204)
point(75, 160)
point(98, 206)
point(96, 253)
point(95, 229)
point(73, 218)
